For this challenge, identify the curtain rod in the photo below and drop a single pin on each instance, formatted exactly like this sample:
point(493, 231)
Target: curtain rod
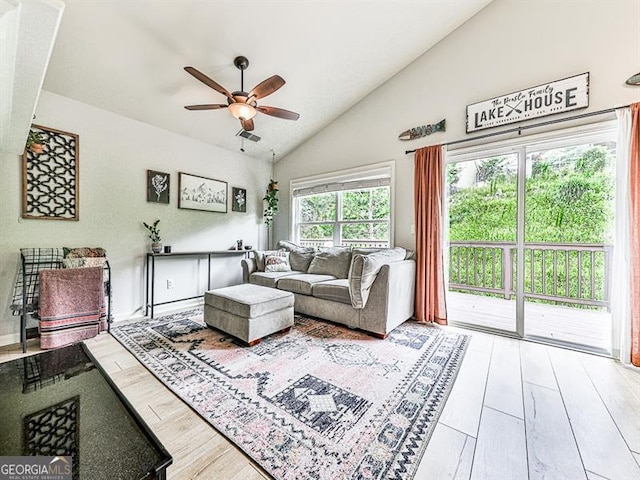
point(527, 127)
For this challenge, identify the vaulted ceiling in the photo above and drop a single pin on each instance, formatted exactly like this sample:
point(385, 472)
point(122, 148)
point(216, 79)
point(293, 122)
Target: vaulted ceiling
point(128, 58)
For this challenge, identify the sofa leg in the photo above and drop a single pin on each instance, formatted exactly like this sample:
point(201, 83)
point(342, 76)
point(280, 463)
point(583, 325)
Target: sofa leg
point(254, 342)
point(285, 330)
point(379, 335)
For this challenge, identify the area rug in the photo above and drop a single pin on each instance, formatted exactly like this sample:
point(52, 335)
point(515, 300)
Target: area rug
point(319, 402)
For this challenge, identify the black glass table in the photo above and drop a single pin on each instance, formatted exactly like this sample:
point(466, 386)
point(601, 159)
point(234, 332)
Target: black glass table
point(61, 402)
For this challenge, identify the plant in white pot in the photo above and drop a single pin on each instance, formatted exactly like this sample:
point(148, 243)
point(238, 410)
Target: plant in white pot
point(154, 236)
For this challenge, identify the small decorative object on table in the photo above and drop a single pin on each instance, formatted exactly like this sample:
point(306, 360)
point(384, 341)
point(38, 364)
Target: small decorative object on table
point(154, 236)
point(239, 244)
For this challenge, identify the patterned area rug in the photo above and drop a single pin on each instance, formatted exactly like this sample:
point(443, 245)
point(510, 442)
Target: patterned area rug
point(319, 402)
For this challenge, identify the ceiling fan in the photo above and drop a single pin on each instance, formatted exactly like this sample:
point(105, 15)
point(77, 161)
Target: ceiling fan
point(243, 105)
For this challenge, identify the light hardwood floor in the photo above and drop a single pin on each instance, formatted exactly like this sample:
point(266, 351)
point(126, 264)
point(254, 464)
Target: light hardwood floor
point(518, 410)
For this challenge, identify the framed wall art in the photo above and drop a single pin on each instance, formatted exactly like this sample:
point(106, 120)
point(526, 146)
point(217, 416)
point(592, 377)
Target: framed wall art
point(202, 193)
point(158, 186)
point(238, 199)
point(50, 178)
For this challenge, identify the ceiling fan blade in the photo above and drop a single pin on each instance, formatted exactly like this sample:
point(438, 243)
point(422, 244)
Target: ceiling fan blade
point(267, 87)
point(279, 112)
point(208, 82)
point(247, 125)
point(211, 106)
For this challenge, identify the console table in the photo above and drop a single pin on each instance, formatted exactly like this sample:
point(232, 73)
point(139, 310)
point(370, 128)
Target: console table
point(151, 265)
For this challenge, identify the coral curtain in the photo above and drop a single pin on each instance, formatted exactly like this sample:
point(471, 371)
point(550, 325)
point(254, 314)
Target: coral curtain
point(634, 232)
point(430, 291)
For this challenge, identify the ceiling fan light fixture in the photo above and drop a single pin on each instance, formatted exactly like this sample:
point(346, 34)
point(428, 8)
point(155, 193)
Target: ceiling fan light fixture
point(242, 111)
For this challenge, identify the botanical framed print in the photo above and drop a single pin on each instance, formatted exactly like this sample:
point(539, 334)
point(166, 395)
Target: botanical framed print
point(202, 193)
point(158, 186)
point(50, 177)
point(238, 199)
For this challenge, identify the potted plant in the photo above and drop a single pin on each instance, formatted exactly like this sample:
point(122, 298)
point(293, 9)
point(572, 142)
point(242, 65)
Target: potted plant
point(154, 236)
point(36, 142)
point(271, 197)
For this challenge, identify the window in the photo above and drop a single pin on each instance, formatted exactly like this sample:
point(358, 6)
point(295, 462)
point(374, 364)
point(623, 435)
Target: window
point(344, 210)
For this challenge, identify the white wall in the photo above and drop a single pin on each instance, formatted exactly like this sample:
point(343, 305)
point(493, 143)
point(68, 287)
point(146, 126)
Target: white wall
point(115, 153)
point(508, 46)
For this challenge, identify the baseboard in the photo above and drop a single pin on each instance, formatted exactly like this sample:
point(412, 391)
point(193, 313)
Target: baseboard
point(9, 339)
point(160, 310)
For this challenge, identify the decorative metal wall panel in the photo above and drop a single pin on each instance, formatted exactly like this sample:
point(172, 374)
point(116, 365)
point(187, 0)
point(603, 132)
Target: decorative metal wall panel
point(50, 179)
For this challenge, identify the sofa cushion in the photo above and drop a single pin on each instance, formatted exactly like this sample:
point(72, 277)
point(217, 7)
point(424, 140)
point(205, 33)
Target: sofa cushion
point(300, 257)
point(364, 270)
point(269, 279)
point(248, 301)
point(332, 261)
point(302, 283)
point(334, 290)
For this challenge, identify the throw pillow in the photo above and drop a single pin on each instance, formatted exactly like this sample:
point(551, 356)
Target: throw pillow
point(332, 261)
point(73, 262)
point(84, 262)
point(278, 262)
point(300, 257)
point(260, 257)
point(84, 252)
point(364, 270)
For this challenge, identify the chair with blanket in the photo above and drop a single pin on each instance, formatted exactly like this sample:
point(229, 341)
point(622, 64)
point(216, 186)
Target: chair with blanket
point(68, 299)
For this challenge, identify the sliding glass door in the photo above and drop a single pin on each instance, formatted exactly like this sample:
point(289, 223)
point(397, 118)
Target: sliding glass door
point(530, 239)
point(483, 199)
point(569, 212)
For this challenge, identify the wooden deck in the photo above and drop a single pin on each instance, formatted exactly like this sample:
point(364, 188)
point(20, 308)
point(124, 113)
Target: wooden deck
point(589, 328)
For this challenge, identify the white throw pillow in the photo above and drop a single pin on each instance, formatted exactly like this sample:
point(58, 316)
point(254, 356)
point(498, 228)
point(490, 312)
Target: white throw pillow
point(278, 262)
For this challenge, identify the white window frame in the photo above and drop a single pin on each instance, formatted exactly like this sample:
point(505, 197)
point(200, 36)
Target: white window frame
point(364, 173)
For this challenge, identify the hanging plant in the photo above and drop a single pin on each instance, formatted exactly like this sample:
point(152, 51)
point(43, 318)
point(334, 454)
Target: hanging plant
point(271, 197)
point(36, 142)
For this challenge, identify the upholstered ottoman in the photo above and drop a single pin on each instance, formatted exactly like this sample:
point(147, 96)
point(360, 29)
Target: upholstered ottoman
point(249, 312)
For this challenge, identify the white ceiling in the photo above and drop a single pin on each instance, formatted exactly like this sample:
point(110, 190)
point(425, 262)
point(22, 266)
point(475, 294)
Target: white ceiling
point(128, 57)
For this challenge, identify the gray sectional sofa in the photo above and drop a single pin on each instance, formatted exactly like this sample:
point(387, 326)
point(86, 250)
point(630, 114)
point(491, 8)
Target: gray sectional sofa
point(368, 289)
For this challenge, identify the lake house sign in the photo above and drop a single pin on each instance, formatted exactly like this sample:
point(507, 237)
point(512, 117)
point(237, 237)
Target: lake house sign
point(550, 98)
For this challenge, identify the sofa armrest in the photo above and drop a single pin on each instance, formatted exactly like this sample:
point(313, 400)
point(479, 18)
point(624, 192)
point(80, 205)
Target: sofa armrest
point(249, 266)
point(392, 297)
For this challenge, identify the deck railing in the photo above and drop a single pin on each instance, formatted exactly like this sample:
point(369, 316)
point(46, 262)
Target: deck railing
point(564, 273)
point(353, 243)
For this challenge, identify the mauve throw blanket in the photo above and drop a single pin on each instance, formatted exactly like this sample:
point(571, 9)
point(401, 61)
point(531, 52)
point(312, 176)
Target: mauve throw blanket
point(71, 305)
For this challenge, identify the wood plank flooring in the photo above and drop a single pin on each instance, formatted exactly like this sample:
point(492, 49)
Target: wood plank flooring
point(518, 410)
